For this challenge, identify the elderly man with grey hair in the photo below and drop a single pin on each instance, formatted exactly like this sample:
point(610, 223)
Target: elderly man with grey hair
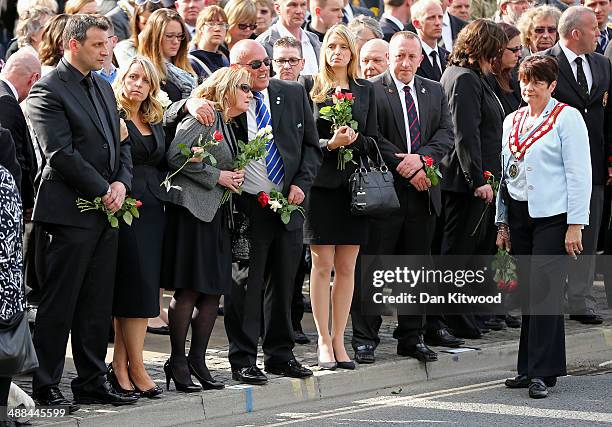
point(365, 28)
point(374, 58)
point(509, 11)
point(585, 83)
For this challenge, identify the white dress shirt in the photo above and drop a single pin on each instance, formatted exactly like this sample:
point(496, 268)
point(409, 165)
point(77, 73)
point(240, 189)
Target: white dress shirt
point(13, 88)
point(255, 173)
point(571, 58)
point(393, 19)
point(447, 32)
point(402, 96)
point(428, 51)
point(311, 65)
point(348, 11)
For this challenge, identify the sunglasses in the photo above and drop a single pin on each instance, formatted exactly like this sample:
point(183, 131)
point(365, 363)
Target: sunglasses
point(255, 65)
point(291, 61)
point(243, 27)
point(141, 2)
point(542, 30)
point(244, 87)
point(515, 49)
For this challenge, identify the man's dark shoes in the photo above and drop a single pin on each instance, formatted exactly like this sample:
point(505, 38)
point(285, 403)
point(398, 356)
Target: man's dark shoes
point(162, 330)
point(442, 337)
point(292, 369)
point(512, 321)
point(419, 351)
point(494, 324)
point(521, 381)
point(301, 338)
point(52, 396)
point(537, 389)
point(249, 375)
point(104, 394)
point(364, 353)
point(588, 318)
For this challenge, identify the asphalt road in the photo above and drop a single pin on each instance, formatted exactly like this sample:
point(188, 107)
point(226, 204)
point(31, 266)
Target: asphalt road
point(477, 400)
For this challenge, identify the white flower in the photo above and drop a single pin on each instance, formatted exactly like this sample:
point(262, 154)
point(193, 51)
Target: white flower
point(275, 205)
point(164, 99)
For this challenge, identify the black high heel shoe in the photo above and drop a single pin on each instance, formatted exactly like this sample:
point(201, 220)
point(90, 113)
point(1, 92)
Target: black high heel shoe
point(150, 393)
point(350, 365)
point(112, 378)
point(185, 388)
point(210, 384)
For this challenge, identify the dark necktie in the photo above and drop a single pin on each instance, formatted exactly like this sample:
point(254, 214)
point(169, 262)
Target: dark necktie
point(603, 41)
point(102, 116)
point(345, 19)
point(581, 77)
point(414, 127)
point(437, 73)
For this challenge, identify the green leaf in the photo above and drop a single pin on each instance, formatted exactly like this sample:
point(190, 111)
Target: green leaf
point(434, 180)
point(325, 110)
point(97, 200)
point(127, 217)
point(186, 152)
point(213, 161)
point(285, 217)
point(134, 212)
point(353, 125)
point(114, 222)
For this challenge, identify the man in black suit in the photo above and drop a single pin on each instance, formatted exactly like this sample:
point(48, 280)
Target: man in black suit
point(18, 76)
point(74, 117)
point(404, 138)
point(8, 159)
point(395, 18)
point(451, 26)
point(275, 248)
point(585, 82)
point(601, 8)
point(427, 19)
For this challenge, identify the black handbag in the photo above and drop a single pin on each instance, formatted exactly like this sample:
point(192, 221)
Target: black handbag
point(17, 354)
point(372, 189)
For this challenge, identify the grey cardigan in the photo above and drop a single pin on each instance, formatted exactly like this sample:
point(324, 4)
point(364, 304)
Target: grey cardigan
point(200, 192)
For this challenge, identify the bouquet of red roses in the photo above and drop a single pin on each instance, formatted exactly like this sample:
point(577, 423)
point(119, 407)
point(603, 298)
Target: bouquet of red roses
point(127, 212)
point(279, 204)
point(341, 114)
point(494, 183)
point(505, 271)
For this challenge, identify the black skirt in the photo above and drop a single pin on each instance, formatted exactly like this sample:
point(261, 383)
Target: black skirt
point(329, 220)
point(197, 254)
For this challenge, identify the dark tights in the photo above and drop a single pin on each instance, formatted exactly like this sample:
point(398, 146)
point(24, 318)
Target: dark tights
point(5, 386)
point(181, 314)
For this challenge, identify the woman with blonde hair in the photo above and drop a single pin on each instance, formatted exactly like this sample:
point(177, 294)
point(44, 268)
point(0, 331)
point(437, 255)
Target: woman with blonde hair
point(197, 248)
point(89, 7)
point(139, 259)
point(335, 239)
point(211, 28)
point(242, 20)
point(29, 30)
point(51, 48)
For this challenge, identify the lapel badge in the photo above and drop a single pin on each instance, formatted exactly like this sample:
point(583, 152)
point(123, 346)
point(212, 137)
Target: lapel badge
point(423, 90)
point(605, 99)
point(299, 125)
point(390, 90)
point(278, 100)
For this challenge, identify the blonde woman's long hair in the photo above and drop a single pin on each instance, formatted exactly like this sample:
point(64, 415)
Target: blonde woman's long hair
point(151, 110)
point(221, 87)
point(151, 39)
point(324, 80)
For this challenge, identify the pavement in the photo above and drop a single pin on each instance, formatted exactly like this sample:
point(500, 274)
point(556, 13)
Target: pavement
point(588, 348)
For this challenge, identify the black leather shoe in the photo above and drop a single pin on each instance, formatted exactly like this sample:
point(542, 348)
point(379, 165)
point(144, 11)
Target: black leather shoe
point(419, 351)
point(292, 369)
point(443, 338)
point(589, 318)
point(470, 334)
point(249, 375)
point(520, 381)
point(52, 396)
point(105, 394)
point(537, 389)
point(512, 321)
point(364, 354)
point(301, 338)
point(112, 378)
point(207, 382)
point(162, 330)
point(494, 324)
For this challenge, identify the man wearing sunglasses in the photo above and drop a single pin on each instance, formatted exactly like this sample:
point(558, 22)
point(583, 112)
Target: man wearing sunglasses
point(291, 15)
point(291, 164)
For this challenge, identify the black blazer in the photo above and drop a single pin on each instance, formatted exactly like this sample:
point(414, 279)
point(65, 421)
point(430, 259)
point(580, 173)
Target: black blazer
point(295, 136)
point(149, 163)
point(436, 126)
point(477, 119)
point(388, 28)
point(511, 101)
point(8, 159)
point(596, 109)
point(80, 161)
point(12, 118)
point(364, 112)
point(426, 69)
point(456, 25)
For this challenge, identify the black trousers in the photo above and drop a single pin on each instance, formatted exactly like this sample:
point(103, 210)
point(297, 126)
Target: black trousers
point(297, 300)
point(408, 232)
point(76, 270)
point(274, 258)
point(542, 342)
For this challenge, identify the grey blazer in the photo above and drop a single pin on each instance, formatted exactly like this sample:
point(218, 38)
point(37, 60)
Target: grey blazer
point(200, 192)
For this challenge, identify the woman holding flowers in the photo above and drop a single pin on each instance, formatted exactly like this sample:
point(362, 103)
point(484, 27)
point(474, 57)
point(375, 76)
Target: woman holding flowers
point(345, 116)
point(137, 279)
point(197, 249)
point(542, 206)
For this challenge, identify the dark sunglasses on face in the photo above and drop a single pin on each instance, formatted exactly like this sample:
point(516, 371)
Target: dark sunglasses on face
point(244, 87)
point(542, 30)
point(243, 27)
point(515, 49)
point(257, 63)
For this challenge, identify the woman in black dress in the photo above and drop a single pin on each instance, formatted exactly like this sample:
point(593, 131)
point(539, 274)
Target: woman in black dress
point(333, 233)
point(197, 249)
point(137, 281)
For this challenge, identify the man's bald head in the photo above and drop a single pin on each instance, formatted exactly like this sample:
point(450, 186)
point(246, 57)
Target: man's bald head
point(22, 69)
point(374, 58)
point(249, 53)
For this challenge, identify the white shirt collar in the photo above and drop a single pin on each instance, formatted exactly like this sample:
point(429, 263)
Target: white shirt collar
point(349, 12)
point(428, 49)
point(445, 19)
point(13, 88)
point(570, 55)
point(393, 19)
point(400, 85)
point(284, 32)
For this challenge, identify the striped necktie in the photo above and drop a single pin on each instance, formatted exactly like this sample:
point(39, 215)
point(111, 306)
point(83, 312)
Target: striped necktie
point(274, 162)
point(414, 127)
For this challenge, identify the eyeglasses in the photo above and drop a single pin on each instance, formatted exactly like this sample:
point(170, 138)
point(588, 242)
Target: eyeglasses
point(291, 61)
point(213, 25)
point(542, 30)
point(244, 87)
point(255, 65)
point(180, 37)
point(515, 49)
point(243, 27)
point(141, 2)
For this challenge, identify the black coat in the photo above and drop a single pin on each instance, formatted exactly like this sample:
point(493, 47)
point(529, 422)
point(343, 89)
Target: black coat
point(434, 117)
point(426, 69)
point(477, 119)
point(8, 159)
point(596, 109)
point(388, 28)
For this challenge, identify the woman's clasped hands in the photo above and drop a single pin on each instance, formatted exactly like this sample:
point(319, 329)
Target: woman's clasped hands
point(231, 179)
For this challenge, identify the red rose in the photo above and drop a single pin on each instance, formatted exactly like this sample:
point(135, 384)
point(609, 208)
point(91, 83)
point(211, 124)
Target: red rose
point(349, 96)
point(501, 285)
point(138, 204)
point(217, 136)
point(512, 285)
point(428, 161)
point(263, 199)
point(339, 95)
point(487, 175)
